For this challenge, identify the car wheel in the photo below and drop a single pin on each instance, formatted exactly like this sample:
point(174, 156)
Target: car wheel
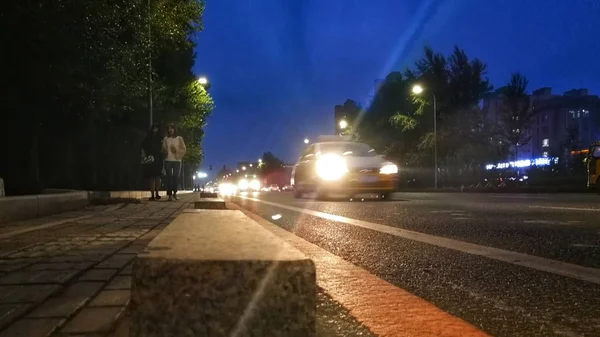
point(322, 195)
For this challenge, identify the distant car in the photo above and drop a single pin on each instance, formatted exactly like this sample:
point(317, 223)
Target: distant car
point(336, 164)
point(248, 183)
point(287, 188)
point(274, 187)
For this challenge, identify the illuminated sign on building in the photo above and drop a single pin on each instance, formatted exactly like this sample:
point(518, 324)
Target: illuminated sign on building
point(544, 161)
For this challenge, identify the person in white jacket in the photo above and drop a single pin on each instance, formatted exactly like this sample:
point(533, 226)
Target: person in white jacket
point(174, 149)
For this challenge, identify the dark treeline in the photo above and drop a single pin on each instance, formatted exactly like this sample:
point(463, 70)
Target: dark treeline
point(399, 122)
point(74, 89)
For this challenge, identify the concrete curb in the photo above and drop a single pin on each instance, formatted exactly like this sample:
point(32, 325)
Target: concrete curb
point(35, 206)
point(200, 275)
point(58, 201)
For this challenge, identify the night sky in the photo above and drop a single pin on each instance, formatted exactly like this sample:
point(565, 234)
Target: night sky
point(277, 67)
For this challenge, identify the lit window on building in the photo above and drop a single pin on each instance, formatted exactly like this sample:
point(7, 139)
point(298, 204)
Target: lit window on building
point(545, 154)
point(572, 113)
point(545, 142)
point(586, 113)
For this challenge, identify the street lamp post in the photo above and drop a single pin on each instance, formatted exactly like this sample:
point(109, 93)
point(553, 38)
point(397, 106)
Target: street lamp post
point(417, 90)
point(306, 141)
point(150, 109)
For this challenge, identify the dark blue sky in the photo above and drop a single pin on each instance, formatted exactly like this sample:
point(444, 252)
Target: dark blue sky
point(277, 67)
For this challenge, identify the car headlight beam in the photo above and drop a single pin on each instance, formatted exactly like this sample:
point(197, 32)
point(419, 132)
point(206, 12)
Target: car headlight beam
point(389, 168)
point(331, 167)
point(243, 184)
point(254, 184)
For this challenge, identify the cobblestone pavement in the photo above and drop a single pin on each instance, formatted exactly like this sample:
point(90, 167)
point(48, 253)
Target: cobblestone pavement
point(70, 274)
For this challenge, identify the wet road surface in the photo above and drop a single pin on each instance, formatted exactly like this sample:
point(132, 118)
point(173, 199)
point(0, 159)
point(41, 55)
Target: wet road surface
point(511, 282)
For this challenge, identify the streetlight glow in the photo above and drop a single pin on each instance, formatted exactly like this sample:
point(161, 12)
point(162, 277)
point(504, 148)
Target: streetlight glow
point(417, 89)
point(203, 80)
point(306, 141)
point(343, 124)
point(238, 171)
point(244, 168)
point(259, 160)
point(250, 165)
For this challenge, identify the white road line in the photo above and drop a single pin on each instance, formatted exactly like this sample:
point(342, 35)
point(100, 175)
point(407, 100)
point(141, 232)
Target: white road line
point(569, 208)
point(522, 197)
point(534, 262)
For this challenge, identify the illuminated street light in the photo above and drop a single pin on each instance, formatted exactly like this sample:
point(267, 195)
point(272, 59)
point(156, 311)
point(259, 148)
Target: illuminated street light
point(306, 141)
point(417, 90)
point(244, 168)
point(250, 165)
point(259, 160)
point(202, 175)
point(238, 171)
point(203, 80)
point(343, 124)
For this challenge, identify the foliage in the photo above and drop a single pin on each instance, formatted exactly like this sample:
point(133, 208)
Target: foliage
point(269, 164)
point(515, 113)
point(192, 123)
point(348, 112)
point(400, 124)
point(75, 88)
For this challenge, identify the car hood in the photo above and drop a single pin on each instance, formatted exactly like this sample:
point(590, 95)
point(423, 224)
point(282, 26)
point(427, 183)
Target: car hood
point(354, 163)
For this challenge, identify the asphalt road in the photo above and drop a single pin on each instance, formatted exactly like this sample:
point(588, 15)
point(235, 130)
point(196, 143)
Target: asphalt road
point(489, 288)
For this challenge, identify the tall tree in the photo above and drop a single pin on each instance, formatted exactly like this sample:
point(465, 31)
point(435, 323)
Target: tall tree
point(269, 164)
point(346, 113)
point(516, 113)
point(76, 84)
point(400, 123)
point(456, 84)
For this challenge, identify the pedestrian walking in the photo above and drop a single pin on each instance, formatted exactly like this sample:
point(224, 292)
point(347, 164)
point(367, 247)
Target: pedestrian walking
point(174, 148)
point(152, 160)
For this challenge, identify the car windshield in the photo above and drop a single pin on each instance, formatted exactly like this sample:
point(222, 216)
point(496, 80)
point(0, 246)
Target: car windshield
point(349, 149)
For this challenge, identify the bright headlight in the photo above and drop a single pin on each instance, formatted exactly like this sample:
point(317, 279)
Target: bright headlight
point(389, 169)
point(243, 184)
point(227, 189)
point(331, 167)
point(255, 184)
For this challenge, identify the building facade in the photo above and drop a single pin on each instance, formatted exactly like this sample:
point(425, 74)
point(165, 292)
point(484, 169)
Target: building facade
point(561, 123)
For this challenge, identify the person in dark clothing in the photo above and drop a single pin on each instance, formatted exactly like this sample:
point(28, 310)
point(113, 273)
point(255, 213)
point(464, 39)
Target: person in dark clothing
point(152, 160)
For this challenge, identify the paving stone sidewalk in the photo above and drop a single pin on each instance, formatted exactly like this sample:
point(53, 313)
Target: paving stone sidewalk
point(70, 274)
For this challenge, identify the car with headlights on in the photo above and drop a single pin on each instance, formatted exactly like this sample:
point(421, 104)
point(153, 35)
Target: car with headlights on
point(336, 164)
point(248, 183)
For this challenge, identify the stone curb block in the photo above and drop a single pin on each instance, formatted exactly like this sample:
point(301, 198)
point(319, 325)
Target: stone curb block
point(35, 206)
point(219, 273)
point(210, 203)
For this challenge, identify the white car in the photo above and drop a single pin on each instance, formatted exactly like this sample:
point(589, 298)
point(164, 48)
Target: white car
point(336, 164)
